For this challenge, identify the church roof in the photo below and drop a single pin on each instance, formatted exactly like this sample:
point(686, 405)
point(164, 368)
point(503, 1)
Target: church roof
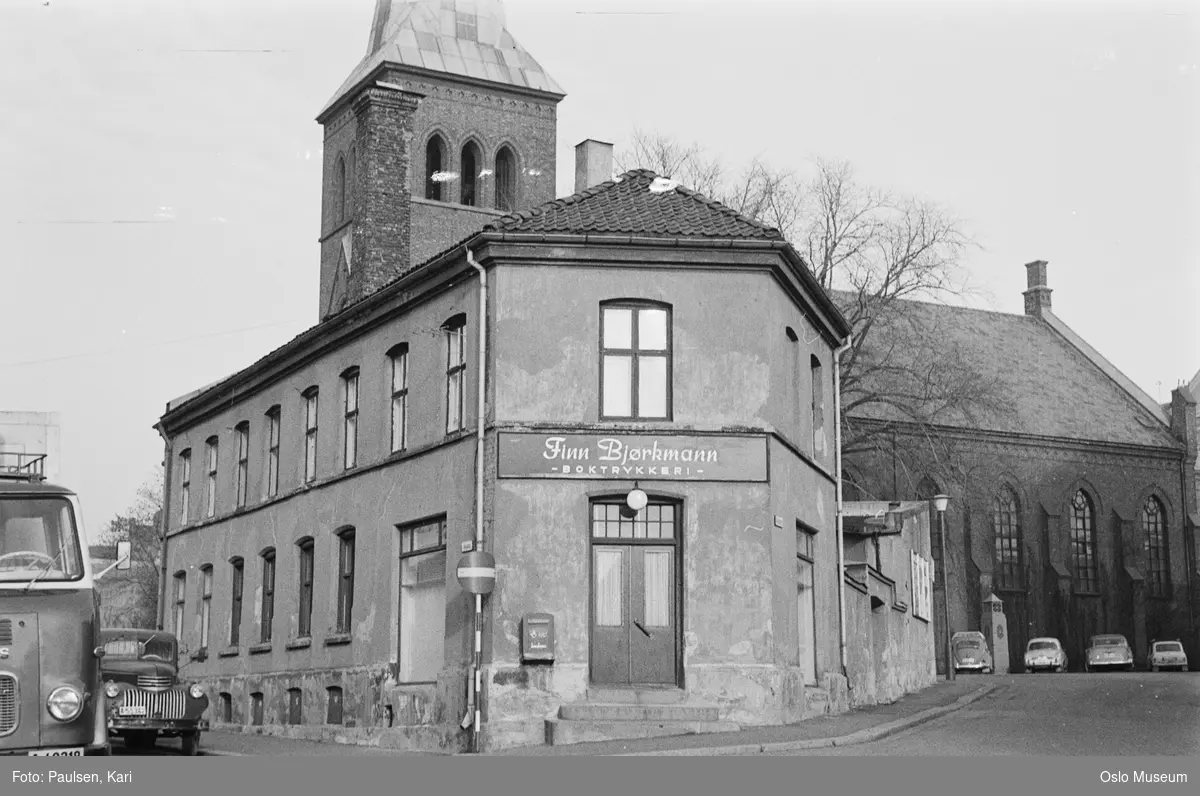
point(641, 203)
point(1053, 383)
point(467, 38)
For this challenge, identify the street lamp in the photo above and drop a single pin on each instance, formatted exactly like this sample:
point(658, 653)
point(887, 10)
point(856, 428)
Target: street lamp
point(939, 503)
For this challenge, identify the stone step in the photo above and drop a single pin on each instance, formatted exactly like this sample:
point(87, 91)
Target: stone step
point(562, 732)
point(637, 696)
point(617, 711)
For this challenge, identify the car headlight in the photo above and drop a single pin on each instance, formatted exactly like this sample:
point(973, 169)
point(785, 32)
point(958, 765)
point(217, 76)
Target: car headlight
point(196, 691)
point(111, 690)
point(65, 703)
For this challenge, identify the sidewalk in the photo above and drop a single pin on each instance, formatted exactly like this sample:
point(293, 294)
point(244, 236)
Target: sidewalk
point(857, 726)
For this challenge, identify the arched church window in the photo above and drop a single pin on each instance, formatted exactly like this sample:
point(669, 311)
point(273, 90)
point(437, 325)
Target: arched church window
point(339, 191)
point(1006, 528)
point(435, 163)
point(470, 165)
point(506, 179)
point(1083, 543)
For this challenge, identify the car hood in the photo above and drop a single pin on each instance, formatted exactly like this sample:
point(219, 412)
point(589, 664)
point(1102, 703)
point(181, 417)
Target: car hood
point(129, 671)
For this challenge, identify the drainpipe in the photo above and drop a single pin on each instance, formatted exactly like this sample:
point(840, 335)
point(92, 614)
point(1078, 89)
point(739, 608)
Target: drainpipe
point(837, 452)
point(476, 690)
point(162, 525)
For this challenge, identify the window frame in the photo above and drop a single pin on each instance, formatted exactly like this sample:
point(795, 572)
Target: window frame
point(206, 593)
point(274, 417)
point(468, 194)
point(242, 431)
point(505, 194)
point(455, 329)
point(350, 389)
point(237, 590)
point(266, 615)
point(1085, 573)
point(345, 595)
point(312, 406)
point(180, 581)
point(398, 357)
point(414, 552)
point(1008, 540)
point(1157, 548)
point(212, 459)
point(306, 577)
point(816, 369)
point(635, 354)
point(433, 188)
point(185, 485)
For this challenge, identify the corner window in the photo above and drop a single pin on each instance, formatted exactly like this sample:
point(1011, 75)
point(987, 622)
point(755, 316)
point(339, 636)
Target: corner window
point(185, 485)
point(273, 418)
point(243, 461)
point(456, 366)
point(310, 434)
point(635, 361)
point(211, 487)
point(350, 425)
point(399, 360)
point(304, 609)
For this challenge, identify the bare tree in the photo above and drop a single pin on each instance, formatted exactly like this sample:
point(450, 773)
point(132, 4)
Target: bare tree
point(873, 251)
point(129, 598)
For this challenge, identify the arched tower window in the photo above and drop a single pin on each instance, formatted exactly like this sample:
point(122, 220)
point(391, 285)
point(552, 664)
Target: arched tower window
point(1154, 523)
point(435, 162)
point(1006, 528)
point(348, 211)
point(506, 179)
point(469, 167)
point(1083, 543)
point(339, 191)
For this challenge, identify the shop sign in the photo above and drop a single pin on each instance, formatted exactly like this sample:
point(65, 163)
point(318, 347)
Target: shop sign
point(672, 457)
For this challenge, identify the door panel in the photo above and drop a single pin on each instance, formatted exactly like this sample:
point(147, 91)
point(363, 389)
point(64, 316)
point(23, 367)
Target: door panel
point(610, 621)
point(652, 637)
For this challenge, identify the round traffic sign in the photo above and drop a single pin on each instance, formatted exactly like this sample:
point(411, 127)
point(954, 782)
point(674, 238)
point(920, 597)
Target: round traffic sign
point(477, 572)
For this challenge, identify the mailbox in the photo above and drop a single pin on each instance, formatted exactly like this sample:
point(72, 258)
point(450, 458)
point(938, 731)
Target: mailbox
point(537, 637)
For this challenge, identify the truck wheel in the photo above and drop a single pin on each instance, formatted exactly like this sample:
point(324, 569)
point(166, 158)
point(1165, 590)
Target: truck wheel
point(191, 743)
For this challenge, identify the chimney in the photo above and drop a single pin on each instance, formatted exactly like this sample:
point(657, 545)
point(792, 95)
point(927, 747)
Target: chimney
point(593, 163)
point(1037, 297)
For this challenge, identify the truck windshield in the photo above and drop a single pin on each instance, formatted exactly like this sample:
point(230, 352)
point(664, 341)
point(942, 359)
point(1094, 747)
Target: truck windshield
point(38, 539)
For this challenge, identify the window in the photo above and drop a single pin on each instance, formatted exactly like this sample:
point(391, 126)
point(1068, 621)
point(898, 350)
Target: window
point(635, 361)
point(399, 358)
point(226, 707)
point(456, 366)
point(506, 180)
point(235, 602)
point(206, 588)
point(435, 155)
point(306, 587)
point(349, 191)
point(180, 600)
point(1006, 528)
point(422, 600)
point(310, 434)
point(267, 612)
point(185, 485)
point(243, 449)
point(806, 606)
point(273, 416)
point(470, 174)
point(333, 714)
point(1158, 571)
point(256, 708)
point(211, 457)
point(345, 610)
point(339, 191)
point(350, 427)
point(1083, 543)
point(295, 706)
point(818, 406)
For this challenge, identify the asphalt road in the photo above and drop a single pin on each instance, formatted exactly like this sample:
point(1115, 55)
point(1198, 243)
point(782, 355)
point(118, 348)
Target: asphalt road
point(1101, 714)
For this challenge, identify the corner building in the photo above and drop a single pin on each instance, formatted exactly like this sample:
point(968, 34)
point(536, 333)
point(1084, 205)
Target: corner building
point(638, 337)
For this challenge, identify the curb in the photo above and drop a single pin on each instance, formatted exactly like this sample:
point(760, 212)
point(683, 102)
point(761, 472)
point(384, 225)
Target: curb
point(218, 753)
point(862, 736)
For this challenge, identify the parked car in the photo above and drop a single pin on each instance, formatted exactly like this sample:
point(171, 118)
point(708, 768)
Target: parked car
point(1167, 655)
point(146, 698)
point(1045, 653)
point(1108, 651)
point(971, 652)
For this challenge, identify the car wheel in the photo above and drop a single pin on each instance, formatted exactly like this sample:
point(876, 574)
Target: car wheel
point(1154, 668)
point(1061, 669)
point(1129, 667)
point(191, 743)
point(1185, 668)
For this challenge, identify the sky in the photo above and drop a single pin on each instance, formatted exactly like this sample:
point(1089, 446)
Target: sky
point(160, 167)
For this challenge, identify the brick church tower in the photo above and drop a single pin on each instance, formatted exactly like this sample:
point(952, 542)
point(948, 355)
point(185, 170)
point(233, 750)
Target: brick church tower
point(446, 123)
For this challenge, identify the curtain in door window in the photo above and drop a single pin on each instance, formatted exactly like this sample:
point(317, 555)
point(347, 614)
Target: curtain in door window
point(658, 588)
point(422, 616)
point(608, 587)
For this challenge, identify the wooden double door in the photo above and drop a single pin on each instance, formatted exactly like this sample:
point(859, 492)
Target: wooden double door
point(635, 595)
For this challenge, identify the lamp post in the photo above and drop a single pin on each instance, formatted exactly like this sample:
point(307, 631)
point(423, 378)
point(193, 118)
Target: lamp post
point(939, 503)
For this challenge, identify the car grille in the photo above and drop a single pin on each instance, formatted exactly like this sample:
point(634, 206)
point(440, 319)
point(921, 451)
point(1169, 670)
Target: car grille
point(155, 682)
point(8, 704)
point(158, 704)
point(5, 632)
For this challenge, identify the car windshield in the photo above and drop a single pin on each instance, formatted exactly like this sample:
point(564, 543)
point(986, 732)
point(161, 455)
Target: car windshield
point(1042, 645)
point(967, 643)
point(38, 539)
point(1168, 646)
point(1108, 641)
point(131, 648)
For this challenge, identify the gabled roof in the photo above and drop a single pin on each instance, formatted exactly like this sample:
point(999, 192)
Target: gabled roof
point(1053, 388)
point(466, 38)
point(641, 203)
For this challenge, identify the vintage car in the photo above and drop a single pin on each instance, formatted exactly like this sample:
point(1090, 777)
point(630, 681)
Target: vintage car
point(1167, 655)
point(1045, 653)
point(1108, 651)
point(971, 652)
point(146, 698)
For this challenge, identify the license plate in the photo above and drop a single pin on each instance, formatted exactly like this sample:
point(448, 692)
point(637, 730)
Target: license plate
point(77, 752)
point(131, 710)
